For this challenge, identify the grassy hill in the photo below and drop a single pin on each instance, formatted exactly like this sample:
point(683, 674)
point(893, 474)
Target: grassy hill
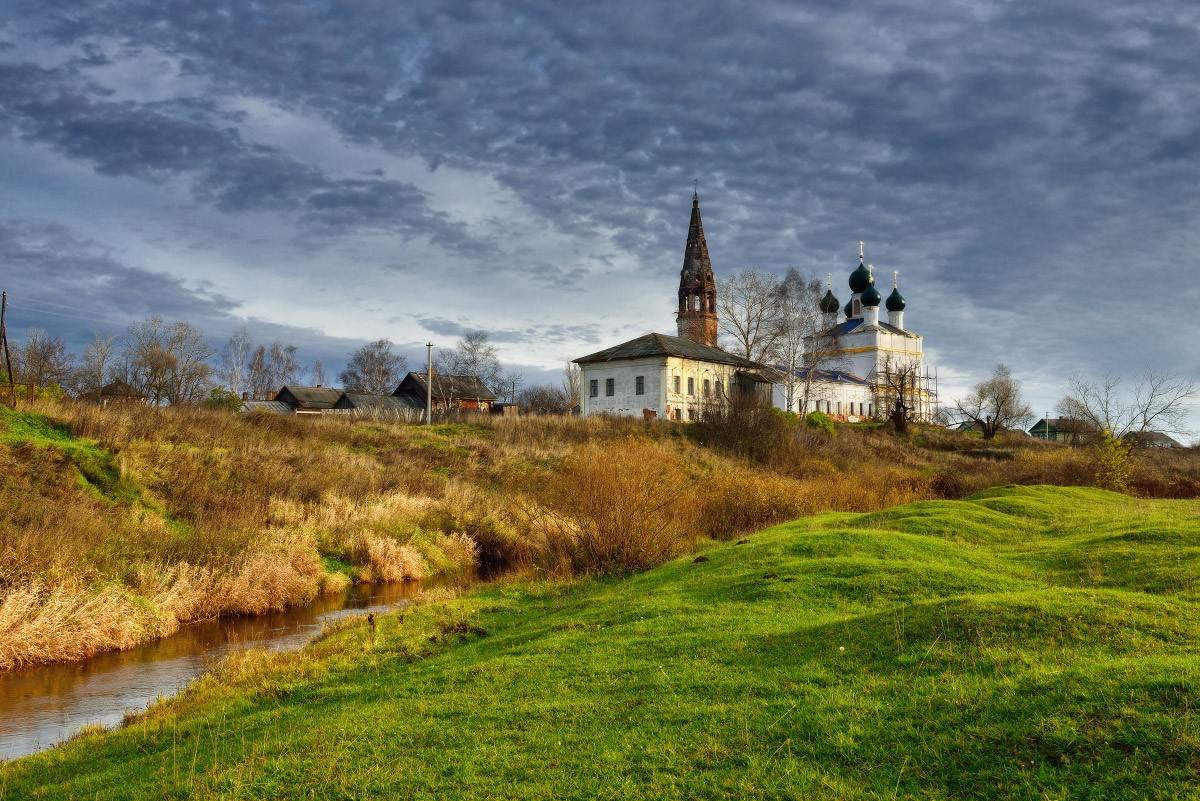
point(1028, 642)
point(119, 525)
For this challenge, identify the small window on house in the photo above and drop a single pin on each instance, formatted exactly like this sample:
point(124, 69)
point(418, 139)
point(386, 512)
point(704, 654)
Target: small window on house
point(610, 387)
point(691, 386)
point(639, 385)
point(593, 388)
point(675, 384)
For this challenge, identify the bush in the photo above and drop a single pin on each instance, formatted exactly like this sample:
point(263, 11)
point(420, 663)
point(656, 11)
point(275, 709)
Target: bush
point(821, 422)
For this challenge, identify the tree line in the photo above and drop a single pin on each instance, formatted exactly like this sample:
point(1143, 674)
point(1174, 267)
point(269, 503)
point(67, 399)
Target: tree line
point(172, 363)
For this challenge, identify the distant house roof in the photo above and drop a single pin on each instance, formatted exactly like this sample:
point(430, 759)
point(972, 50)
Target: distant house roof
point(272, 406)
point(307, 398)
point(444, 387)
point(367, 401)
point(650, 345)
point(121, 389)
point(1153, 439)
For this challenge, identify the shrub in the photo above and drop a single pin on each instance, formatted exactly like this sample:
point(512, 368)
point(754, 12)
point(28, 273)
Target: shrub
point(821, 422)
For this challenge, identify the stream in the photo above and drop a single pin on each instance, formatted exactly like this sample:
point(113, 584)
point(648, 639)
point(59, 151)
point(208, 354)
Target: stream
point(42, 706)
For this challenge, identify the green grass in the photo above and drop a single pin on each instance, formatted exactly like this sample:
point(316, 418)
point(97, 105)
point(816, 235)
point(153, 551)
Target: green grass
point(1025, 643)
point(95, 465)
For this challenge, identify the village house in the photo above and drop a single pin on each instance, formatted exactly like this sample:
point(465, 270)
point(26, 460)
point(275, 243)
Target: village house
point(450, 392)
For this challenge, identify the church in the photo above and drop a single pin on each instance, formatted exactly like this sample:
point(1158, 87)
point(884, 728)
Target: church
point(861, 366)
point(674, 377)
point(856, 367)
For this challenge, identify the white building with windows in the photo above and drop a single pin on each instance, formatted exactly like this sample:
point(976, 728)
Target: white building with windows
point(662, 376)
point(673, 377)
point(863, 359)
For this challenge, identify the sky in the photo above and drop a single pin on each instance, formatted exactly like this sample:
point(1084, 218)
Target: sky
point(330, 173)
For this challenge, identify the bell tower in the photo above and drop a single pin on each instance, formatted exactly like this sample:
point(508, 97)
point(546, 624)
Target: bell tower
point(697, 316)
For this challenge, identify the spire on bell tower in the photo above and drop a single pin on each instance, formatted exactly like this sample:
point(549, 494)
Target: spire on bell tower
point(697, 315)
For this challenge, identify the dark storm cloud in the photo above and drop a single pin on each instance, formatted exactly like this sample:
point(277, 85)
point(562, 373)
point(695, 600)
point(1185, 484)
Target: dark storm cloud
point(1018, 157)
point(160, 141)
point(51, 275)
point(550, 333)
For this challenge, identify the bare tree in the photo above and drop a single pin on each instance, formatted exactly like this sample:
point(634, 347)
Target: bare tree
point(318, 373)
point(747, 303)
point(168, 363)
point(897, 388)
point(43, 360)
point(804, 345)
point(474, 355)
point(94, 366)
point(374, 368)
point(570, 384)
point(234, 361)
point(995, 404)
point(1160, 401)
point(509, 384)
point(544, 399)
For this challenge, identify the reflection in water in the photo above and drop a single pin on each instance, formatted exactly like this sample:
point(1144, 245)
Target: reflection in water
point(45, 705)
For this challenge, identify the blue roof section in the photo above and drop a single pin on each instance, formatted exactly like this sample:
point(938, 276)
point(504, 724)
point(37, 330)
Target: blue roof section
point(835, 376)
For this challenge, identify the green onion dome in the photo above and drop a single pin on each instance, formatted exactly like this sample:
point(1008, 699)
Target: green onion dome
point(861, 278)
point(895, 301)
point(871, 296)
point(829, 304)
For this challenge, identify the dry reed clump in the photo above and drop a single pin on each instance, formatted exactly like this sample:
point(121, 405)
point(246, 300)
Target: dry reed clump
point(40, 624)
point(733, 500)
point(271, 576)
point(389, 560)
point(616, 506)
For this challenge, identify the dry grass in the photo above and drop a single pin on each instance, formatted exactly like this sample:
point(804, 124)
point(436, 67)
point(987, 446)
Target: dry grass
point(206, 513)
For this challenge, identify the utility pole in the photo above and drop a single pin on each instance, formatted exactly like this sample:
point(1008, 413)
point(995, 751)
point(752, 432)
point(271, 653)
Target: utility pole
point(429, 383)
point(7, 357)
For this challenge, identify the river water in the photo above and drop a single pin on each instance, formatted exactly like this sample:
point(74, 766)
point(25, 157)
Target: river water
point(42, 706)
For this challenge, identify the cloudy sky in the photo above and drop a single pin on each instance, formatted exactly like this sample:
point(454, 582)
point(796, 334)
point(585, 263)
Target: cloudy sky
point(336, 172)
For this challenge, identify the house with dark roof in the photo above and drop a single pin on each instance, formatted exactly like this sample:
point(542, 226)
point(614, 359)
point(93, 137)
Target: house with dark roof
point(1152, 439)
point(377, 404)
point(1062, 429)
point(673, 377)
point(450, 392)
point(308, 400)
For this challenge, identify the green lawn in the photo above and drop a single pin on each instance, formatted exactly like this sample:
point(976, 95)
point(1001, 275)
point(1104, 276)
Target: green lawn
point(1039, 643)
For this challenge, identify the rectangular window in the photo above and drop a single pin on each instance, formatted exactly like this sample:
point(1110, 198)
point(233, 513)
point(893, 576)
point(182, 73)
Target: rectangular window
point(610, 387)
point(675, 383)
point(593, 388)
point(639, 385)
point(691, 386)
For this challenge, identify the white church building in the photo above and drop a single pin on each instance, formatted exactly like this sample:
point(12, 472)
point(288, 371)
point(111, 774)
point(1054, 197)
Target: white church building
point(860, 361)
point(863, 360)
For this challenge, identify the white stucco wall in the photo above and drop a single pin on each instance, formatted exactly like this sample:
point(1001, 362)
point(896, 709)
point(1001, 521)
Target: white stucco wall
point(659, 374)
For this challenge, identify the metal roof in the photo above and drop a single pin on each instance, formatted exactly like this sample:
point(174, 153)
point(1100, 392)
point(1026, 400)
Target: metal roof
point(446, 386)
point(310, 397)
point(649, 345)
point(367, 400)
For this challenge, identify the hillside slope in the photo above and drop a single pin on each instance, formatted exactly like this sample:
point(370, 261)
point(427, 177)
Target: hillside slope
point(1025, 643)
